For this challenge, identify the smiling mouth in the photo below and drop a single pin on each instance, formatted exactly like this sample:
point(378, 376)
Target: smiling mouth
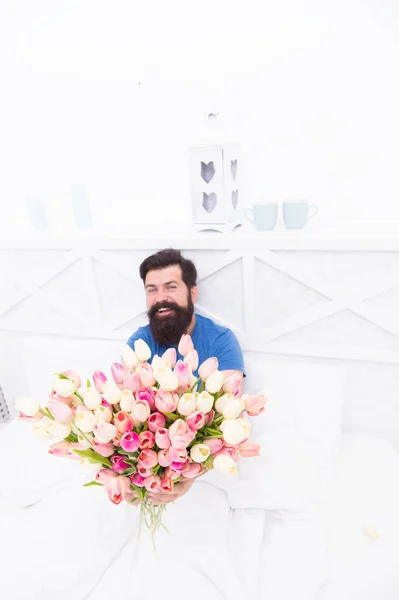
point(164, 311)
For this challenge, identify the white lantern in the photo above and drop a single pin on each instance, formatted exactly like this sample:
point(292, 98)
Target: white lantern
point(214, 174)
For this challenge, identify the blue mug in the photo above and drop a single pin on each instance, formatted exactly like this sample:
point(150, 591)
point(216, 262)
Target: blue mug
point(263, 216)
point(296, 213)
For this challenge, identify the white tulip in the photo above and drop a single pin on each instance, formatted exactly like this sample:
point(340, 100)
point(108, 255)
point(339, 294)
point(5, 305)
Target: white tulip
point(232, 409)
point(235, 431)
point(89, 465)
point(225, 465)
point(103, 413)
point(40, 429)
point(142, 350)
point(92, 398)
point(204, 402)
point(200, 452)
point(111, 392)
point(104, 432)
point(59, 430)
point(214, 382)
point(28, 406)
point(222, 401)
point(83, 440)
point(129, 357)
point(127, 401)
point(85, 421)
point(187, 404)
point(167, 379)
point(63, 387)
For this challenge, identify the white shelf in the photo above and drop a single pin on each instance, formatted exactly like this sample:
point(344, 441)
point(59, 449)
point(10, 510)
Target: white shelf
point(327, 234)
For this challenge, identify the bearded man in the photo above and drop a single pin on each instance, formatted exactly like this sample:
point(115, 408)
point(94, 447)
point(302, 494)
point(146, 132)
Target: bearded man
point(170, 283)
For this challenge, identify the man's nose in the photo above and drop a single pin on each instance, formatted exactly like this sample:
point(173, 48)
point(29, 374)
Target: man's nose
point(162, 295)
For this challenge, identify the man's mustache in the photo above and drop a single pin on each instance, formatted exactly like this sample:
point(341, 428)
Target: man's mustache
point(171, 305)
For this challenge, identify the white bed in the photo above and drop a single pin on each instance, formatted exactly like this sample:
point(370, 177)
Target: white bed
point(73, 544)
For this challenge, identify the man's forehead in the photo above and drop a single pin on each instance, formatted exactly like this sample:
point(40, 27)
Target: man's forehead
point(161, 276)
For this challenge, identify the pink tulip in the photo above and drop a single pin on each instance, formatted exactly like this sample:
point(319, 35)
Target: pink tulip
point(182, 373)
point(119, 464)
point(228, 451)
point(99, 378)
point(118, 372)
point(176, 466)
point(117, 440)
point(164, 458)
point(130, 441)
point(104, 432)
point(195, 420)
point(180, 434)
point(65, 450)
point(248, 449)
point(155, 421)
point(117, 488)
point(162, 438)
point(185, 344)
point(137, 479)
point(191, 359)
point(152, 483)
point(209, 417)
point(215, 444)
point(103, 475)
point(143, 472)
point(131, 381)
point(208, 367)
point(54, 396)
point(166, 484)
point(192, 470)
point(60, 411)
point(171, 473)
point(147, 440)
point(123, 422)
point(170, 357)
point(146, 375)
point(147, 394)
point(103, 449)
point(178, 456)
point(165, 401)
point(148, 459)
point(233, 383)
point(141, 411)
point(254, 405)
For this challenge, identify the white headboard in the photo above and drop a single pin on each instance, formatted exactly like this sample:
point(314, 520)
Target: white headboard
point(292, 298)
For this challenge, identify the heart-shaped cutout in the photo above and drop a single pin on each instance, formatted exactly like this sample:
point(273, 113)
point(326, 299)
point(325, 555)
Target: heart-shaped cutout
point(207, 171)
point(234, 198)
point(233, 168)
point(209, 201)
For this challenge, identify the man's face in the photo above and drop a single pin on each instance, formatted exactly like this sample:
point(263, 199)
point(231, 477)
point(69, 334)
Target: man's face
point(170, 304)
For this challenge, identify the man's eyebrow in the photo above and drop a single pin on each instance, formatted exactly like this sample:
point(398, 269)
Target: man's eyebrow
point(166, 283)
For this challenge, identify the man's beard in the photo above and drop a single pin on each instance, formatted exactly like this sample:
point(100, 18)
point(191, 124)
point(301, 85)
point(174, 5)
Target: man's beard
point(169, 329)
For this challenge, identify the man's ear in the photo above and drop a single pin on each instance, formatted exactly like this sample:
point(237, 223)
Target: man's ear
point(194, 293)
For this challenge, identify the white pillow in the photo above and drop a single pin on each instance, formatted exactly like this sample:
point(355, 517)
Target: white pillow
point(299, 433)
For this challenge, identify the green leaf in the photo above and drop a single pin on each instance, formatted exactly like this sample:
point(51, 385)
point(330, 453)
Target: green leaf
point(88, 383)
point(130, 471)
point(92, 483)
point(201, 387)
point(48, 413)
point(194, 385)
point(94, 455)
point(171, 416)
point(156, 469)
point(63, 376)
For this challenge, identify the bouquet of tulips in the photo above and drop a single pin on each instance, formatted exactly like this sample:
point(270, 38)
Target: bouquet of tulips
point(150, 425)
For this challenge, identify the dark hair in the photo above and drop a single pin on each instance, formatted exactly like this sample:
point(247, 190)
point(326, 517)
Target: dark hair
point(166, 258)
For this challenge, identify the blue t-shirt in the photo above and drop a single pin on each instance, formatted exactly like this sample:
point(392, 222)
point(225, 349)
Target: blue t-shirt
point(209, 339)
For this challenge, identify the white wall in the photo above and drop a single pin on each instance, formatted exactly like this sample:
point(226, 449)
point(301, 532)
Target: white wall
point(109, 94)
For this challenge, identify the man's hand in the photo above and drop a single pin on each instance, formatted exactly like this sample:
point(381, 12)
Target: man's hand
point(179, 489)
